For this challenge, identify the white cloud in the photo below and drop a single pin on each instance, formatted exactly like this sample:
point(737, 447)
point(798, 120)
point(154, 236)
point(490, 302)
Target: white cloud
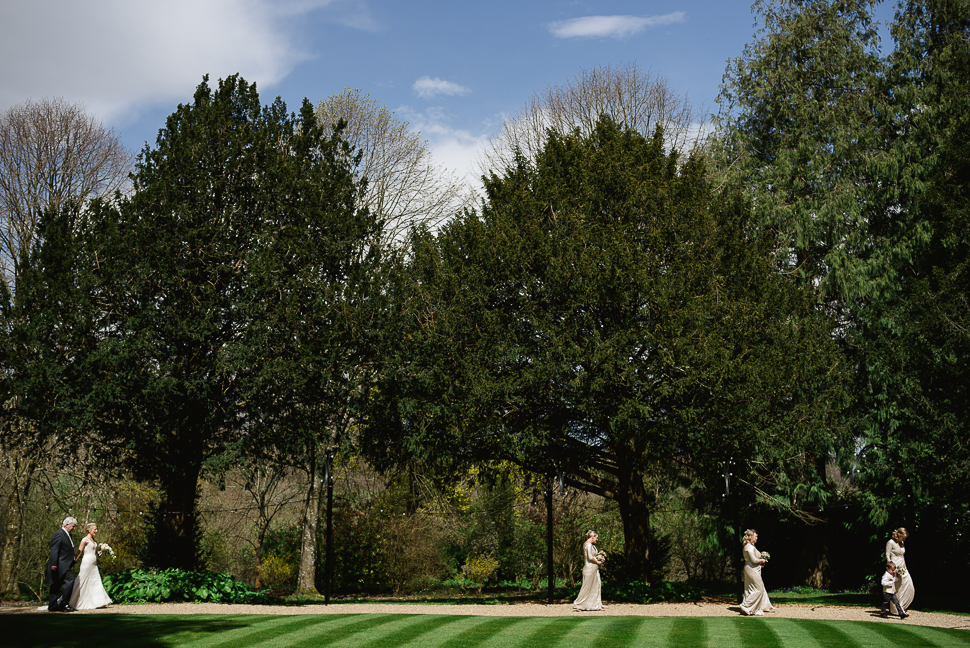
point(611, 26)
point(456, 150)
point(427, 87)
point(117, 55)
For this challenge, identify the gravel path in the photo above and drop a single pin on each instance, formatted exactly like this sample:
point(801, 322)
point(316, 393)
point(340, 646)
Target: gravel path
point(706, 609)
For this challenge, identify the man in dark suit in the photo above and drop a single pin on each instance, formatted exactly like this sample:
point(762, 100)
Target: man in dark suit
point(59, 574)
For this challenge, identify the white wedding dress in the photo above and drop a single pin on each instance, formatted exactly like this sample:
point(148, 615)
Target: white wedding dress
point(905, 591)
point(88, 591)
point(590, 594)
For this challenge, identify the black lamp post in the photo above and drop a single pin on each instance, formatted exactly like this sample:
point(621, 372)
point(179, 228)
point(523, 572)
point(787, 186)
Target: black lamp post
point(549, 570)
point(328, 480)
point(728, 473)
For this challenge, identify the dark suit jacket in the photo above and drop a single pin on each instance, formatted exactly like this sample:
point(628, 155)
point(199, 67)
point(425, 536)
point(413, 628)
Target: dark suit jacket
point(62, 555)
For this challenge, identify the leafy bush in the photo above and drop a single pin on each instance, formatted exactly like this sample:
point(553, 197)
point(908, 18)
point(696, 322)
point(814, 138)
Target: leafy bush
point(641, 592)
point(480, 569)
point(176, 585)
point(278, 572)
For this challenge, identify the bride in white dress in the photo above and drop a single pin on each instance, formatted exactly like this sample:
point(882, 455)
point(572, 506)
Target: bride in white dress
point(88, 591)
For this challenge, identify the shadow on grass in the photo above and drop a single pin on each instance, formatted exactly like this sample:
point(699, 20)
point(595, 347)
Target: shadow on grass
point(42, 630)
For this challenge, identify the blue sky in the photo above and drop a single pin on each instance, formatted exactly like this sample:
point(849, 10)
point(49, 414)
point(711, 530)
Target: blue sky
point(454, 70)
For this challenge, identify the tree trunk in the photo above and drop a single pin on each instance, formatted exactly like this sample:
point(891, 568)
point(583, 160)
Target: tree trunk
point(174, 543)
point(261, 526)
point(816, 569)
point(22, 472)
point(635, 507)
point(306, 581)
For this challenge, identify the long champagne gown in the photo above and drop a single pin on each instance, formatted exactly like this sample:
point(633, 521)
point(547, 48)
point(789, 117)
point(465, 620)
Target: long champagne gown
point(755, 595)
point(590, 597)
point(88, 591)
point(905, 592)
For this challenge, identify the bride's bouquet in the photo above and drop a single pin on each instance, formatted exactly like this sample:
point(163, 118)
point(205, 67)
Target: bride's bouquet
point(900, 571)
point(104, 547)
point(601, 556)
point(765, 556)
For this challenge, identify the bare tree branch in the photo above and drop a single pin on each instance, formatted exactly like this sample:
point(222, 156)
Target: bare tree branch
point(51, 151)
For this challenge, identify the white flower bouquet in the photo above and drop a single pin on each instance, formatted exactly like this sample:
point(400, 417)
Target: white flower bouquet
point(104, 547)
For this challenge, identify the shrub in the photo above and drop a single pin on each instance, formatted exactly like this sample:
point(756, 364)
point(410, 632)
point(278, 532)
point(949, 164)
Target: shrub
point(479, 569)
point(278, 573)
point(176, 585)
point(640, 592)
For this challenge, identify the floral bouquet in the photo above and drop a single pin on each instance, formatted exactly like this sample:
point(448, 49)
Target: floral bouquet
point(601, 556)
point(765, 556)
point(104, 547)
point(900, 571)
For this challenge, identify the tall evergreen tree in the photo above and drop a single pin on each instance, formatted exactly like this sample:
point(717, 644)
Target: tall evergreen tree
point(803, 132)
point(605, 316)
point(221, 282)
point(859, 161)
point(918, 462)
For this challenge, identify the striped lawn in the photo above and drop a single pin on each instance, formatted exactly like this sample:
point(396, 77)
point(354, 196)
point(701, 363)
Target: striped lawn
point(445, 631)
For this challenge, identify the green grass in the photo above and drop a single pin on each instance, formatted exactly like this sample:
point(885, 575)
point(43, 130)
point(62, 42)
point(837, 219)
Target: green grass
point(443, 631)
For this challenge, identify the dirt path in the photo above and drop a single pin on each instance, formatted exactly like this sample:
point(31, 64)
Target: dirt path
point(705, 609)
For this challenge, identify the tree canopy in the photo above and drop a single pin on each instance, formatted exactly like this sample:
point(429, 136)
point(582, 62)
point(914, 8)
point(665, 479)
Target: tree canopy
point(219, 295)
point(605, 316)
point(858, 160)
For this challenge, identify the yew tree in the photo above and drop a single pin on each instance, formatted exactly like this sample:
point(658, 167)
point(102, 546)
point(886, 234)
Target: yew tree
point(222, 284)
point(605, 315)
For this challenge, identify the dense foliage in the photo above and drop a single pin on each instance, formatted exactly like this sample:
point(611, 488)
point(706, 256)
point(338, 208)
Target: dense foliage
point(177, 586)
point(209, 303)
point(859, 160)
point(606, 317)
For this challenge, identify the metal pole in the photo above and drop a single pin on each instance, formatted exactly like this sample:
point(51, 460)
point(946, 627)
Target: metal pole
point(549, 570)
point(329, 562)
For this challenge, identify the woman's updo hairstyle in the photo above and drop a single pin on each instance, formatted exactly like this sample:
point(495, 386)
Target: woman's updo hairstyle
point(900, 534)
point(590, 534)
point(747, 537)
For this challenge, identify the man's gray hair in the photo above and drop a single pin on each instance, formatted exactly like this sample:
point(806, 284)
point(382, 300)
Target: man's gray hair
point(69, 520)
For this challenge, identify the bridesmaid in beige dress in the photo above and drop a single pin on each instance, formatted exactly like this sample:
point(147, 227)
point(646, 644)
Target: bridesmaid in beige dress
point(896, 554)
point(756, 600)
point(590, 594)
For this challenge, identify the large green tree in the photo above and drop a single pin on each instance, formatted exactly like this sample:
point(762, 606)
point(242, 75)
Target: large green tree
point(220, 286)
point(917, 466)
point(858, 160)
point(803, 130)
point(605, 316)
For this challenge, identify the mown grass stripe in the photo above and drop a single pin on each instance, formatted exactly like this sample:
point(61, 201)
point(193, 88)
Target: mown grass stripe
point(899, 636)
point(549, 633)
point(415, 629)
point(687, 631)
point(621, 633)
point(945, 636)
point(260, 631)
point(826, 634)
point(757, 633)
point(326, 632)
point(482, 631)
point(723, 632)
